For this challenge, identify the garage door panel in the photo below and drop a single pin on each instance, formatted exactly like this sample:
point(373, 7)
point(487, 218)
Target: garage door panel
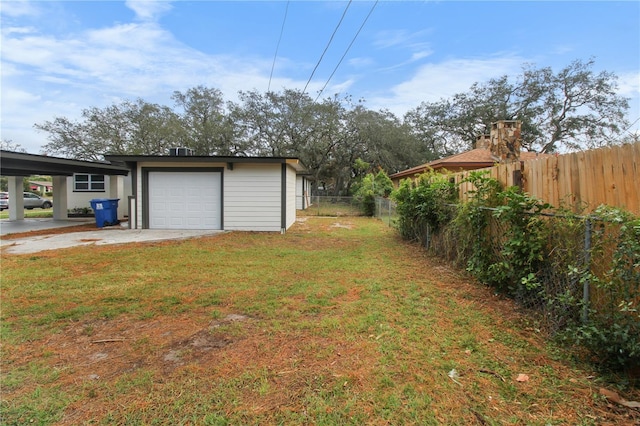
point(185, 200)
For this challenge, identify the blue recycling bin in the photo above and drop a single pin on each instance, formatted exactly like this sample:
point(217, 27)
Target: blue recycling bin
point(106, 211)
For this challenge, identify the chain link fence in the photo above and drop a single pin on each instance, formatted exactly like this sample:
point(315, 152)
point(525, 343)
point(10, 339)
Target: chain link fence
point(332, 206)
point(336, 206)
point(577, 275)
point(386, 210)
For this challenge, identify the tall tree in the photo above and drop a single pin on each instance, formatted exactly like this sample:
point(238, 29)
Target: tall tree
point(204, 121)
point(131, 127)
point(571, 109)
point(381, 139)
point(274, 123)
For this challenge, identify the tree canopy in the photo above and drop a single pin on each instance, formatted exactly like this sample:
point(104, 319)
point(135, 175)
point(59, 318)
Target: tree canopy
point(569, 109)
point(572, 109)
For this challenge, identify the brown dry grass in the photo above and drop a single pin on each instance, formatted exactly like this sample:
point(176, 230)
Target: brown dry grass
point(336, 322)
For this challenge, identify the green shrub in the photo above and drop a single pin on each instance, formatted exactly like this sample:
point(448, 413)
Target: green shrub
point(524, 245)
point(423, 206)
point(370, 187)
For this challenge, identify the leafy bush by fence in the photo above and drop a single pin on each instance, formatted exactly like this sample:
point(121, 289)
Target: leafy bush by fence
point(581, 273)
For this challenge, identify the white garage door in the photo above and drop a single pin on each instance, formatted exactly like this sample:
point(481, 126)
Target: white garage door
point(185, 200)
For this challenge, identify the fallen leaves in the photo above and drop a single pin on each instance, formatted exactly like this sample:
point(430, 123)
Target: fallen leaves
point(615, 397)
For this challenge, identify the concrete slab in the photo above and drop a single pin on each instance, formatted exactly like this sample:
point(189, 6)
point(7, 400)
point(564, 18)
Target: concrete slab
point(101, 236)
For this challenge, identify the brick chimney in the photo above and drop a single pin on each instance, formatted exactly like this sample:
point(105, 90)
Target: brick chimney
point(506, 140)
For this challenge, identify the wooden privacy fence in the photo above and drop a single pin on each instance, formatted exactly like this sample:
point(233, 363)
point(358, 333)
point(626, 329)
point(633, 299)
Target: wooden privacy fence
point(580, 181)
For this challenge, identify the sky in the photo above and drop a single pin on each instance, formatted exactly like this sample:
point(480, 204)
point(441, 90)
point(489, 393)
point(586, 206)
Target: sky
point(61, 57)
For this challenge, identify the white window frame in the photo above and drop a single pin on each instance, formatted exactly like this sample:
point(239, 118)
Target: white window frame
point(93, 183)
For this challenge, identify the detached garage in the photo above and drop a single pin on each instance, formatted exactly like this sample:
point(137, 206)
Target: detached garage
point(184, 199)
point(202, 192)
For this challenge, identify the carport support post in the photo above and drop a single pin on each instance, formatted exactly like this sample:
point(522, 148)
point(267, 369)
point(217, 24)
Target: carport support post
point(116, 190)
point(16, 201)
point(60, 198)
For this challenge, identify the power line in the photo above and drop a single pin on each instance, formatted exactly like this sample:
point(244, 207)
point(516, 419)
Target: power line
point(347, 51)
point(630, 126)
point(327, 47)
point(278, 46)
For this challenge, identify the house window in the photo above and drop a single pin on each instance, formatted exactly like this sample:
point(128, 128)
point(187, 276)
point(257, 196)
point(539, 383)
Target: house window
point(94, 183)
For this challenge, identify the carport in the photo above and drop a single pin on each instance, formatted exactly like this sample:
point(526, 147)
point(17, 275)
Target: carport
point(17, 165)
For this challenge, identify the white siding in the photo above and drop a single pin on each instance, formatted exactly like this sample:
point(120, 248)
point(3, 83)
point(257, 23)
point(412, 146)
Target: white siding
point(291, 196)
point(299, 192)
point(252, 197)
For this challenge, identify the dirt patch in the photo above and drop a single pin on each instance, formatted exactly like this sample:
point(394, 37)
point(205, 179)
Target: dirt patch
point(195, 348)
point(51, 231)
point(104, 349)
point(342, 225)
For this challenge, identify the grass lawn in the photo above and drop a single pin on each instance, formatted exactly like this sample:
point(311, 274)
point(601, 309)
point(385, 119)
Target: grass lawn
point(33, 213)
point(336, 322)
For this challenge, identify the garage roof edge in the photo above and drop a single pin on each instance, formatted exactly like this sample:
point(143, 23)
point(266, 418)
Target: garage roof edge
point(292, 161)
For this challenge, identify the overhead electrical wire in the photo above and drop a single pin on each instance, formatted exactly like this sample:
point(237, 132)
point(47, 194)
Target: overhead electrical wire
point(327, 47)
point(347, 50)
point(284, 20)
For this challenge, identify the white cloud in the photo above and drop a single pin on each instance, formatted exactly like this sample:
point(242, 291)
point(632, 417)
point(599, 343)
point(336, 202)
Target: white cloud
point(61, 75)
point(17, 9)
point(149, 10)
point(361, 62)
point(341, 88)
point(629, 84)
point(16, 97)
point(629, 87)
point(421, 55)
point(435, 81)
point(562, 49)
point(18, 30)
point(402, 38)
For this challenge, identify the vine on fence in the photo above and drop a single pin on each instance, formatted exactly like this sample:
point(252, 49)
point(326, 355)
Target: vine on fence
point(515, 243)
point(613, 329)
point(471, 227)
point(523, 250)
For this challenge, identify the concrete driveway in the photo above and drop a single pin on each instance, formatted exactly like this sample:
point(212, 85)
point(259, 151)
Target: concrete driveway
point(99, 236)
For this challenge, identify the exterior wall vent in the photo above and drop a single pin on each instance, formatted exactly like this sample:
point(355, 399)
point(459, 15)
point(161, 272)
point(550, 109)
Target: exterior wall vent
point(180, 152)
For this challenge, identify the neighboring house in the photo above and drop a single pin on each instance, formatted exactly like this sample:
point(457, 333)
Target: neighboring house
point(501, 145)
point(203, 192)
point(41, 186)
